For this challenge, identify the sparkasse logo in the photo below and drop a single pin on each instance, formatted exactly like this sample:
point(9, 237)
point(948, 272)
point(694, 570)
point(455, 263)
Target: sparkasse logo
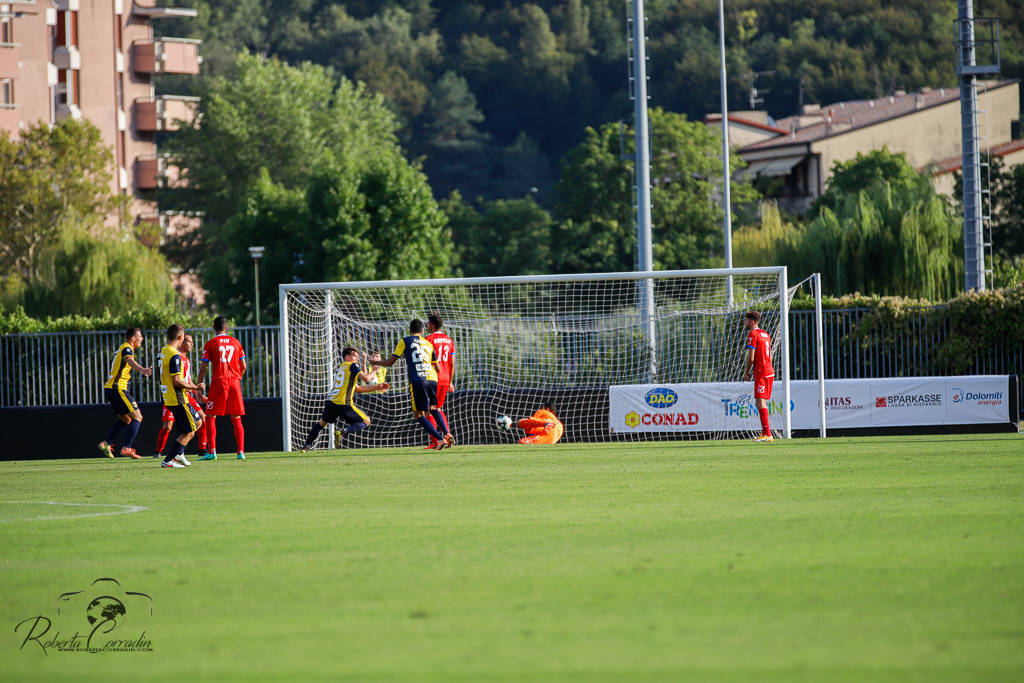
point(908, 401)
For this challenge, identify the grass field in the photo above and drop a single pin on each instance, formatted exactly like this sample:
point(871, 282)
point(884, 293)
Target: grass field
point(867, 559)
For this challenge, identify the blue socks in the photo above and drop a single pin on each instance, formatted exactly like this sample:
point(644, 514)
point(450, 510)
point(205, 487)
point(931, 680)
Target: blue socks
point(442, 423)
point(133, 430)
point(115, 430)
point(429, 428)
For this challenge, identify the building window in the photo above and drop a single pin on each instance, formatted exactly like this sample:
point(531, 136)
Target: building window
point(6, 91)
point(6, 31)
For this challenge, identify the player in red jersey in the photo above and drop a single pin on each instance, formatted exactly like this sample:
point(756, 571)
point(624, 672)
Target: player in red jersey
point(445, 349)
point(226, 359)
point(167, 420)
point(759, 358)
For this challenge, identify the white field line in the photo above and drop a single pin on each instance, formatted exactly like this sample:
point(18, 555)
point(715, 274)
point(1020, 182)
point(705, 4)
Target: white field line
point(125, 509)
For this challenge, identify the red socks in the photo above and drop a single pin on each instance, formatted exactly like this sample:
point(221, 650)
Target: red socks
point(765, 429)
point(161, 439)
point(236, 424)
point(211, 433)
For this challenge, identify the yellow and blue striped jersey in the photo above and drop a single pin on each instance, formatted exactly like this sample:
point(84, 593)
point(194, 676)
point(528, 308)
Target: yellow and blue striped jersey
point(419, 358)
point(120, 371)
point(345, 383)
point(169, 367)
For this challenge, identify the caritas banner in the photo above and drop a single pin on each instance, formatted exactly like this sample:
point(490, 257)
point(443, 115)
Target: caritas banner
point(849, 403)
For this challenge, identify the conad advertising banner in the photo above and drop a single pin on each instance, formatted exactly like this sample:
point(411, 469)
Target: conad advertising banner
point(849, 403)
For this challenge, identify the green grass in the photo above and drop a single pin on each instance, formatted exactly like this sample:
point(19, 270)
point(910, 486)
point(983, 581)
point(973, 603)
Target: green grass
point(853, 559)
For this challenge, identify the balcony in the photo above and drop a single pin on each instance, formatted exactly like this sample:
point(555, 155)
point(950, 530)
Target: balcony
point(163, 12)
point(154, 171)
point(67, 57)
point(148, 171)
point(163, 113)
point(167, 56)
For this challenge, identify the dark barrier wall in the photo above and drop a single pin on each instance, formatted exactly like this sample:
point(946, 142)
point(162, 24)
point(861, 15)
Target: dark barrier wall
point(40, 433)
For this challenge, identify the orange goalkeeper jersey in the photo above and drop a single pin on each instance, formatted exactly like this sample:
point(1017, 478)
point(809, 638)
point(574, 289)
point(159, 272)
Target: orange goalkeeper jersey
point(541, 435)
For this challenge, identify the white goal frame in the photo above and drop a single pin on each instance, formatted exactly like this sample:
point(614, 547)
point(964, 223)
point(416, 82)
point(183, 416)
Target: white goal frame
point(780, 271)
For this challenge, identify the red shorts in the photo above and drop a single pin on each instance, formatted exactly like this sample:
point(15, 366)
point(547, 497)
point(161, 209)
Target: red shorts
point(442, 390)
point(226, 397)
point(763, 387)
point(168, 416)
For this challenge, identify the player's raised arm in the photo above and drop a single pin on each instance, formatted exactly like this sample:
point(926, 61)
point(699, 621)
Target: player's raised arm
point(134, 365)
point(367, 388)
point(385, 363)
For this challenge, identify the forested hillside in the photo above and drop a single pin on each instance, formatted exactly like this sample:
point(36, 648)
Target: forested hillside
point(492, 94)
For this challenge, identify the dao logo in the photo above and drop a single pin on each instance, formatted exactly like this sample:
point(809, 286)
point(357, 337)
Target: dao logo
point(880, 402)
point(662, 397)
point(632, 420)
point(958, 395)
point(87, 619)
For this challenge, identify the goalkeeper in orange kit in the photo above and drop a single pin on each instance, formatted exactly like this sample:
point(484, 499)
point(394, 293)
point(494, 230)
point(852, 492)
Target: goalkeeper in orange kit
point(543, 426)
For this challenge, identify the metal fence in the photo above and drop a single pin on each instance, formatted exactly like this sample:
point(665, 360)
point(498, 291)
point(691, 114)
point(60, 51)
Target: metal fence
point(69, 368)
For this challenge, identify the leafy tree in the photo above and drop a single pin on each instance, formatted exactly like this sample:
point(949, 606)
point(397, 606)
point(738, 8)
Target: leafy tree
point(892, 236)
point(56, 255)
point(50, 177)
point(307, 164)
point(863, 171)
point(502, 237)
point(595, 200)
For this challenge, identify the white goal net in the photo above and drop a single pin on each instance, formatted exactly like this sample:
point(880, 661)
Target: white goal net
point(587, 343)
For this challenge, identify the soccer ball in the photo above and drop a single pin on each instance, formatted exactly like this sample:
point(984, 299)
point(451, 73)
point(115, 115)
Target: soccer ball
point(504, 422)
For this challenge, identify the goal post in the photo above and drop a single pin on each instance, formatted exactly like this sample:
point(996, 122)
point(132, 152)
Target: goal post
point(586, 341)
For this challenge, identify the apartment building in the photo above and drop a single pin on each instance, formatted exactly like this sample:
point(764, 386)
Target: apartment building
point(95, 60)
point(797, 153)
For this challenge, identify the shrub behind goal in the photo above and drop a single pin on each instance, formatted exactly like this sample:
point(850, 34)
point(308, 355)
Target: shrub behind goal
point(522, 340)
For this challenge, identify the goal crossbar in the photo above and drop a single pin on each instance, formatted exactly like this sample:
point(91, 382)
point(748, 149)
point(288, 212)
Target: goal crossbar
point(533, 279)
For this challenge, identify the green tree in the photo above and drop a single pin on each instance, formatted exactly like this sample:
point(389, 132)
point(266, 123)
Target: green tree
point(307, 164)
point(890, 235)
point(501, 237)
point(595, 200)
point(863, 171)
point(50, 177)
point(57, 256)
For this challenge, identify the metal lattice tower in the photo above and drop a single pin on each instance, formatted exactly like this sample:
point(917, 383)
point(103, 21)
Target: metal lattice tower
point(968, 69)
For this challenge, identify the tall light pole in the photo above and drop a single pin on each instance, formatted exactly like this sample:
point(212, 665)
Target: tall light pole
point(645, 258)
point(726, 199)
point(257, 254)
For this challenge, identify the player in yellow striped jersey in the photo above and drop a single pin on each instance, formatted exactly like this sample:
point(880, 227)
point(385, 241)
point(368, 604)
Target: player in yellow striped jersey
point(341, 405)
point(175, 388)
point(115, 391)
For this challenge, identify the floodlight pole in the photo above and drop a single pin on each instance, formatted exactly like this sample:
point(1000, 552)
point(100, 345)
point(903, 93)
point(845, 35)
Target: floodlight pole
point(726, 199)
point(645, 260)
